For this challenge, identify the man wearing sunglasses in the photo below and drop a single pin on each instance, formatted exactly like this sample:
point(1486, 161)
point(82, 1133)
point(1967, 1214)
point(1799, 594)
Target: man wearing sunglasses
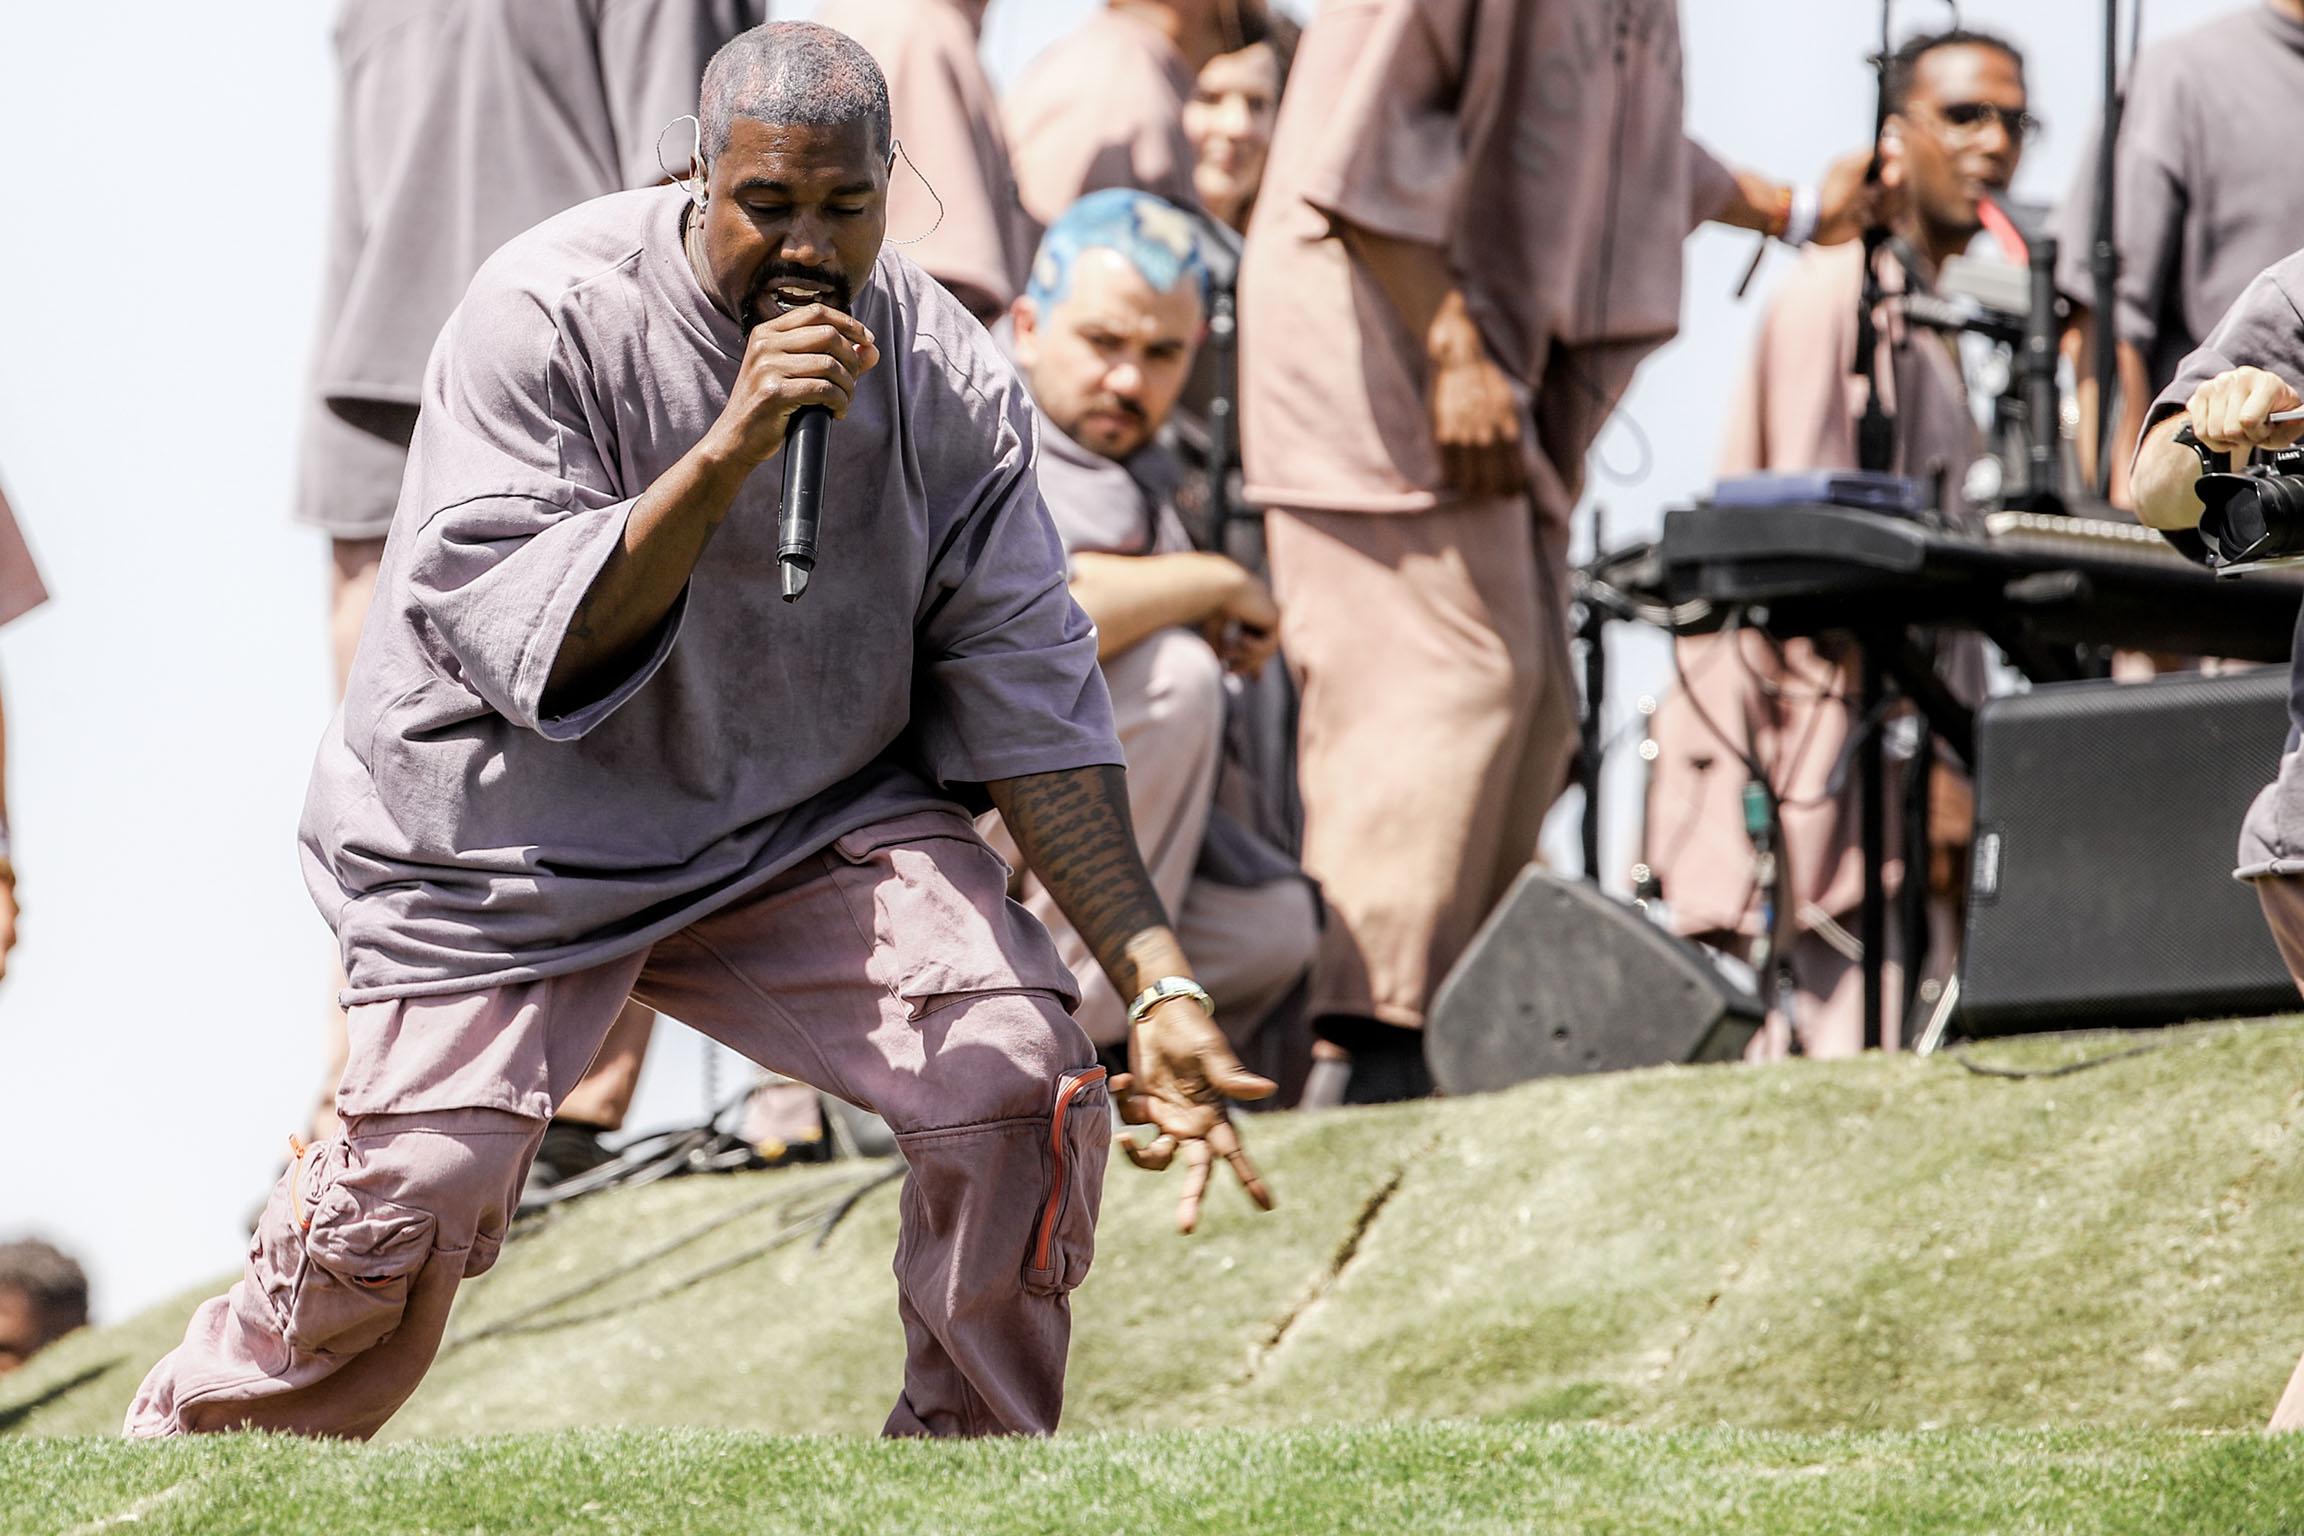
point(2199, 205)
point(1955, 132)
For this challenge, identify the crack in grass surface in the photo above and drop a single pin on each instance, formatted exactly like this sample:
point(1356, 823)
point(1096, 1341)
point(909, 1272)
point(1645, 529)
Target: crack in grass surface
point(1338, 1262)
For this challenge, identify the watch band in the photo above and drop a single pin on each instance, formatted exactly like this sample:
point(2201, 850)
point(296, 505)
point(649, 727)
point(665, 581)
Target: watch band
point(1164, 989)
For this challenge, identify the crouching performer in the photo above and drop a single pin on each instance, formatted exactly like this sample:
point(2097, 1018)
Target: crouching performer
point(588, 754)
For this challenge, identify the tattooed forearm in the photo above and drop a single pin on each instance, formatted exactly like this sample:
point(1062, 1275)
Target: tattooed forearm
point(1073, 829)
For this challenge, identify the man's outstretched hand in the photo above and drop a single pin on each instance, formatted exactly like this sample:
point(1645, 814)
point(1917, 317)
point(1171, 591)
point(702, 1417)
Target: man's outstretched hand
point(1181, 1071)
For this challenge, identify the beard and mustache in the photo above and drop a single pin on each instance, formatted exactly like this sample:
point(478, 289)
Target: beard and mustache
point(759, 306)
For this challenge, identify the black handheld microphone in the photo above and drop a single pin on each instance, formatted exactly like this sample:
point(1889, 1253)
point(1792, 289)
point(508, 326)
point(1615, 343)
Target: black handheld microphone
point(805, 436)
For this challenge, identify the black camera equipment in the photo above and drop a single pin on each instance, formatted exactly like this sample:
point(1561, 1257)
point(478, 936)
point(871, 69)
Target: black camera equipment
point(2251, 515)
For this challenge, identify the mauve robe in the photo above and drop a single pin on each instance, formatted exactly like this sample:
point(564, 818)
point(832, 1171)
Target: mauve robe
point(1538, 143)
point(460, 124)
point(2205, 194)
point(1797, 409)
point(457, 837)
point(948, 120)
point(2263, 329)
point(1101, 107)
point(21, 589)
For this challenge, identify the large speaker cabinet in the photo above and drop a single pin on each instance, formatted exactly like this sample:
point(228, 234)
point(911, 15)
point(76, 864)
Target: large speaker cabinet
point(2101, 889)
point(1563, 979)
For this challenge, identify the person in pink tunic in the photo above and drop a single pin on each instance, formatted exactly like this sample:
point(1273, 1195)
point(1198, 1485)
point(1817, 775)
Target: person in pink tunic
point(21, 591)
point(954, 208)
point(461, 123)
point(1791, 704)
point(1105, 338)
point(588, 753)
point(1104, 106)
point(1468, 236)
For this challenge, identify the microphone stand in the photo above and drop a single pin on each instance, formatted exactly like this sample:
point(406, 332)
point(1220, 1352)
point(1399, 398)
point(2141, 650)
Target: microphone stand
point(1875, 431)
point(2104, 255)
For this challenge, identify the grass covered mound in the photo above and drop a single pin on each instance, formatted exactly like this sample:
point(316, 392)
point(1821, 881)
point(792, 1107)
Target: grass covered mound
point(1456, 1478)
point(1887, 1244)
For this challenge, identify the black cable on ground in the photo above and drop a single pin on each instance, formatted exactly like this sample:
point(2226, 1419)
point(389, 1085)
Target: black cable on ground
point(1959, 1053)
point(800, 1219)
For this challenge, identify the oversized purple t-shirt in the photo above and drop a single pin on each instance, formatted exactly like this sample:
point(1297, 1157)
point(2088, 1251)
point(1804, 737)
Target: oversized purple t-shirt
point(2205, 194)
point(456, 836)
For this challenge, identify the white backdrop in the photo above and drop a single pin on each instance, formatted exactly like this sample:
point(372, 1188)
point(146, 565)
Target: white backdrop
point(165, 168)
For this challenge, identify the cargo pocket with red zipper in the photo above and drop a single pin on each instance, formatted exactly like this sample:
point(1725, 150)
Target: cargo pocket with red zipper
point(1078, 1147)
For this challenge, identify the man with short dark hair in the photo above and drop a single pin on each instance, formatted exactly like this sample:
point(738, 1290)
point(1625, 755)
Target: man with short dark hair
point(1954, 136)
point(43, 1296)
point(1105, 336)
point(2227, 395)
point(589, 754)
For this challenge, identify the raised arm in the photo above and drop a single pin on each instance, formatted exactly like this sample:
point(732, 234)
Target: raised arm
point(808, 356)
point(2231, 413)
point(1073, 829)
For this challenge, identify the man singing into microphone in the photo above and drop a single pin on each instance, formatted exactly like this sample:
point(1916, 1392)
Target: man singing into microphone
point(587, 753)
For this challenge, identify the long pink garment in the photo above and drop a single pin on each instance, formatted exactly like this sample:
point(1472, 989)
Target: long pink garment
point(889, 969)
point(1431, 654)
point(971, 233)
point(21, 589)
point(1792, 704)
point(1101, 107)
point(457, 835)
point(1534, 142)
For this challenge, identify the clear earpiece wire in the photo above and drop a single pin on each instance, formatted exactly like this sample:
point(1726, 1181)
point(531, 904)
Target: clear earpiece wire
point(924, 181)
point(694, 180)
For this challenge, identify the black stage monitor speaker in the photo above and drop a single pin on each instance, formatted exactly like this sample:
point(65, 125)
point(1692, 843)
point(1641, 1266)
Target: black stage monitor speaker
point(2101, 889)
point(1563, 979)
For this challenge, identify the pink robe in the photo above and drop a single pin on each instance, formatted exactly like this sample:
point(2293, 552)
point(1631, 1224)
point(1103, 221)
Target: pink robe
point(1102, 107)
point(948, 120)
point(21, 589)
point(1538, 147)
point(1798, 409)
point(459, 835)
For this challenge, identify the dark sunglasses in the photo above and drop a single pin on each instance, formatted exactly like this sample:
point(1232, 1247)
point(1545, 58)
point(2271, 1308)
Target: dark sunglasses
point(1969, 118)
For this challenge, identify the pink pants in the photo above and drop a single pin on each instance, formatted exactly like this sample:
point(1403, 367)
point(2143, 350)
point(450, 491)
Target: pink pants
point(890, 969)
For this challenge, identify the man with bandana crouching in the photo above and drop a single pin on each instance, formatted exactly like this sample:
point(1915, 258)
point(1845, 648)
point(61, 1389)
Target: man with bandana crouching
point(588, 754)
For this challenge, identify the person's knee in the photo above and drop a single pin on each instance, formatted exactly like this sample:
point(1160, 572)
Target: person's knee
point(1184, 686)
point(358, 1216)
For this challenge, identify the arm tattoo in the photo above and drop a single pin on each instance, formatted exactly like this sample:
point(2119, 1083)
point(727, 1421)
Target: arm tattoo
point(1073, 829)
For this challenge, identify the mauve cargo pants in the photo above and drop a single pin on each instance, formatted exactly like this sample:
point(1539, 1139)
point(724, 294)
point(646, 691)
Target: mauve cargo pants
point(890, 969)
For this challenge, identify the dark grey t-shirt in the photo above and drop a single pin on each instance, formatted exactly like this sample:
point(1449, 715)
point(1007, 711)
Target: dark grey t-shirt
point(2207, 193)
point(2263, 329)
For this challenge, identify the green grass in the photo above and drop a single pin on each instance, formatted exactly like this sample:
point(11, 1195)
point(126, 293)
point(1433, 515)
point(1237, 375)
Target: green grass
point(1425, 1478)
point(1876, 1295)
